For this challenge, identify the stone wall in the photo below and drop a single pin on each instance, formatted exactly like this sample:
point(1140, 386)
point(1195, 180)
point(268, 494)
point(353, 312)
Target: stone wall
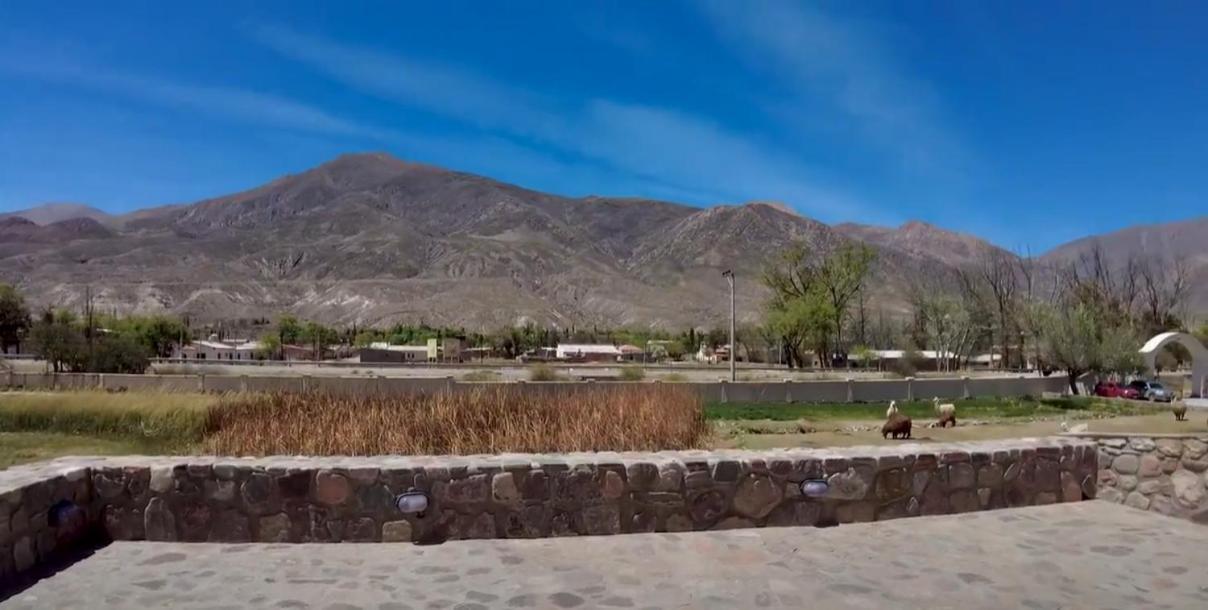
point(1164, 473)
point(522, 496)
point(851, 390)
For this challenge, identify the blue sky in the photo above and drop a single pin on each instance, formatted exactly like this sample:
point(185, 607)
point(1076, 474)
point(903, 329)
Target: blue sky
point(1026, 123)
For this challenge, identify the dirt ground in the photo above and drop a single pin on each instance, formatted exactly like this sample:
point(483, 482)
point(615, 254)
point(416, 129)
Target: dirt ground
point(832, 434)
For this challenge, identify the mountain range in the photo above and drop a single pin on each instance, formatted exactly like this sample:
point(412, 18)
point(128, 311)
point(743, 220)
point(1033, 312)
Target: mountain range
point(373, 239)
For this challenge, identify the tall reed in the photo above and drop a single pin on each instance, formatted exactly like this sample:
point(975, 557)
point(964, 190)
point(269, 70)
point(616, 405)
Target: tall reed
point(506, 418)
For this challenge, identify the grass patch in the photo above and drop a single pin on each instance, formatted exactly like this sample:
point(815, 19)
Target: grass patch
point(23, 447)
point(976, 408)
point(485, 420)
point(171, 418)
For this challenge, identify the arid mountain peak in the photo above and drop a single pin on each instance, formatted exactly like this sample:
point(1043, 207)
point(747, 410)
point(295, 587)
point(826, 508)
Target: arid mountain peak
point(374, 239)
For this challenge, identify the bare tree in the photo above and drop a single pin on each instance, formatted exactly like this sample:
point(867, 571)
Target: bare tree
point(943, 320)
point(1110, 288)
point(993, 286)
point(1163, 288)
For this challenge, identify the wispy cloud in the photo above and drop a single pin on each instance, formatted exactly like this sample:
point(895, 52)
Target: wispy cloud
point(842, 67)
point(481, 153)
point(432, 86)
point(224, 102)
point(682, 152)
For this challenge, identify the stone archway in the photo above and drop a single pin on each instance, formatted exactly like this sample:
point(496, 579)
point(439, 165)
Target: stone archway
point(1199, 357)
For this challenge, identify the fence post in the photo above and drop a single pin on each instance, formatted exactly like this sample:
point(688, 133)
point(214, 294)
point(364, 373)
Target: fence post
point(305, 383)
point(909, 389)
point(965, 387)
point(851, 389)
point(724, 395)
point(201, 382)
point(788, 390)
point(100, 381)
point(243, 383)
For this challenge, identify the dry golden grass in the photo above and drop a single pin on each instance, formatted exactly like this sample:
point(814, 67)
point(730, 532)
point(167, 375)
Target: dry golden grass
point(485, 420)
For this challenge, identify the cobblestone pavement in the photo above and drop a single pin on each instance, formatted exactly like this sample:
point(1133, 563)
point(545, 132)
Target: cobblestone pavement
point(1084, 555)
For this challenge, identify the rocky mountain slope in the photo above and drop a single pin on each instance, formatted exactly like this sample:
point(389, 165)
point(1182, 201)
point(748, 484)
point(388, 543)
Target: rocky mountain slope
point(1185, 242)
point(374, 239)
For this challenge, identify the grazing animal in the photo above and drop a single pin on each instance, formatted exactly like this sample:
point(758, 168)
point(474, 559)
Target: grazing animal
point(898, 425)
point(1180, 411)
point(893, 408)
point(945, 412)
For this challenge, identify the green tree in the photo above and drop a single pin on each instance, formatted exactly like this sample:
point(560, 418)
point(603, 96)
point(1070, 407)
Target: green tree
point(1070, 339)
point(289, 329)
point(318, 337)
point(158, 334)
point(1081, 339)
point(811, 299)
point(118, 353)
point(14, 318)
point(270, 346)
point(58, 341)
point(804, 324)
point(366, 337)
point(865, 355)
point(842, 276)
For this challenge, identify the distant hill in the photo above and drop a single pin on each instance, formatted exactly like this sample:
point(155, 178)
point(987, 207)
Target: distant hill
point(374, 239)
point(49, 213)
point(919, 239)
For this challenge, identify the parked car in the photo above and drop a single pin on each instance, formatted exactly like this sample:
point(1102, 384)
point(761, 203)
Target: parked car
point(1152, 390)
point(1111, 389)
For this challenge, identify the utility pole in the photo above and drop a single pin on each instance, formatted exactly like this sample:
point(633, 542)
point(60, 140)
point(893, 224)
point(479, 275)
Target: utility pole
point(729, 275)
point(89, 331)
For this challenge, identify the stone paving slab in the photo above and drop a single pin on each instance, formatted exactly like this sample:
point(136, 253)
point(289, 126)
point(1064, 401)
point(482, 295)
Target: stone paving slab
point(1082, 555)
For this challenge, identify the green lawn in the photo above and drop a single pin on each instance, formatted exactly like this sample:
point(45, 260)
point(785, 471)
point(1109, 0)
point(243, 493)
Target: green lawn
point(161, 416)
point(23, 447)
point(43, 425)
point(974, 408)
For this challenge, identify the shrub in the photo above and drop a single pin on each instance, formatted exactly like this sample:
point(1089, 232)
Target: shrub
point(675, 377)
point(118, 354)
point(504, 418)
point(481, 376)
point(543, 372)
point(632, 373)
point(907, 365)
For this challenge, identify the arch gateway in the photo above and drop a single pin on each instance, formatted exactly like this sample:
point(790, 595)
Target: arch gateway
point(1199, 357)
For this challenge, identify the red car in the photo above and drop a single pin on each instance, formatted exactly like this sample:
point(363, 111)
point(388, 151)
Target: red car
point(1111, 389)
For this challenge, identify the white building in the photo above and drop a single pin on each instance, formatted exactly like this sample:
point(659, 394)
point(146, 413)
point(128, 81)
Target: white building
point(217, 350)
point(587, 351)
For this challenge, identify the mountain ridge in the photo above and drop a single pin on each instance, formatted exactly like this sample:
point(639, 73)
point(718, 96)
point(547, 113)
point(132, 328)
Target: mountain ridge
point(370, 238)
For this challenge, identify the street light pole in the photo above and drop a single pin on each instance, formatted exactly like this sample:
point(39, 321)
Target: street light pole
point(729, 275)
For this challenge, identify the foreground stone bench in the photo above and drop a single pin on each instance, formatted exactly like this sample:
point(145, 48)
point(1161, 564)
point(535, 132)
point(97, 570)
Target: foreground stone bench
point(50, 506)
